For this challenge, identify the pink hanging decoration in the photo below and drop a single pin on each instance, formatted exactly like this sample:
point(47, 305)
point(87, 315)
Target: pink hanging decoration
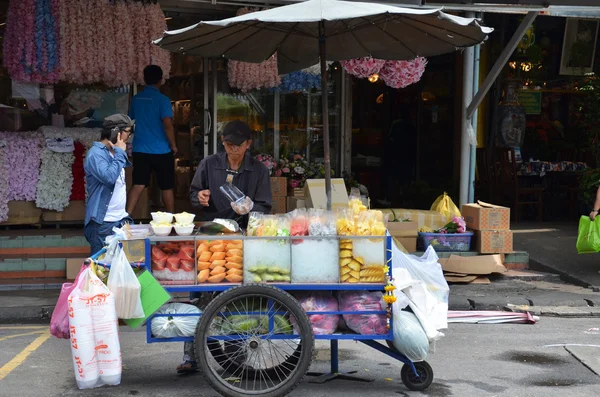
point(158, 26)
point(400, 74)
point(362, 67)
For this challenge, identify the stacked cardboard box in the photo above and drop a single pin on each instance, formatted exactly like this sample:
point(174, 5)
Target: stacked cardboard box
point(405, 233)
point(279, 193)
point(492, 227)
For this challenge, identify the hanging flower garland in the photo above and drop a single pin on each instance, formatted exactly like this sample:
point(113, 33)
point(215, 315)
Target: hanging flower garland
point(78, 187)
point(3, 182)
point(23, 153)
point(56, 180)
point(362, 67)
point(400, 74)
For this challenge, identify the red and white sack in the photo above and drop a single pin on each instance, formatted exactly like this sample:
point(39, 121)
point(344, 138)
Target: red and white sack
point(94, 333)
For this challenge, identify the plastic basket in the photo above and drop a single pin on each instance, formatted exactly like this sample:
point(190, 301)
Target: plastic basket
point(442, 242)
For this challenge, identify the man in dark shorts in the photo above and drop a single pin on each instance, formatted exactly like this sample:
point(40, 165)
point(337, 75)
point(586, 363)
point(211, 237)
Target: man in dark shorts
point(154, 141)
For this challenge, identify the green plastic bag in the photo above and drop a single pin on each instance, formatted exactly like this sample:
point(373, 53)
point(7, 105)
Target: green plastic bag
point(588, 239)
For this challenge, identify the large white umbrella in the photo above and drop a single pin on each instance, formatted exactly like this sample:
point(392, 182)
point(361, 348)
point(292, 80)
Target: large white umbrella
point(305, 33)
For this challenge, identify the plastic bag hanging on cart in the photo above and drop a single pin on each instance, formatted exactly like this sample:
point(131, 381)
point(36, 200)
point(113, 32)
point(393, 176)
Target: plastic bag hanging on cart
point(409, 337)
point(112, 243)
point(175, 326)
point(126, 288)
point(59, 323)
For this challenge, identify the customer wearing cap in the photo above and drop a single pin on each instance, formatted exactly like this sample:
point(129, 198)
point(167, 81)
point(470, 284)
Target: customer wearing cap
point(238, 167)
point(104, 167)
point(154, 142)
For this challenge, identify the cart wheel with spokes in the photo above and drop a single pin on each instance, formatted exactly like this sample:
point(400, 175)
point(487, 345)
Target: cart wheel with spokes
point(419, 381)
point(245, 344)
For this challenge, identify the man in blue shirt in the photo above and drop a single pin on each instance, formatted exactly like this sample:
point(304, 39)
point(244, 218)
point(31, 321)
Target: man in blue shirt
point(154, 141)
point(104, 167)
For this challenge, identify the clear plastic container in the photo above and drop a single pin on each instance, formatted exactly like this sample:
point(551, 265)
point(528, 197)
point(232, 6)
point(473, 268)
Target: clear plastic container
point(232, 193)
point(267, 260)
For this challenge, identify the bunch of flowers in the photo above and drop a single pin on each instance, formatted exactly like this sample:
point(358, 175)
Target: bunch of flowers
point(457, 225)
point(56, 180)
point(268, 161)
point(400, 74)
point(294, 170)
point(299, 81)
point(22, 155)
point(363, 67)
point(3, 182)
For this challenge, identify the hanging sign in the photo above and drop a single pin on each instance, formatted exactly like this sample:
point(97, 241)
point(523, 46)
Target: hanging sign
point(60, 145)
point(531, 101)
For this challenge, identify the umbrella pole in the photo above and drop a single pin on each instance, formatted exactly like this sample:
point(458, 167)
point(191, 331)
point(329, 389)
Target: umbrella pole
point(325, 103)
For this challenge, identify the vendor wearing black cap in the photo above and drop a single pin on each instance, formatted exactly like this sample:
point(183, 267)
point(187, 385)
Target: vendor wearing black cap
point(237, 167)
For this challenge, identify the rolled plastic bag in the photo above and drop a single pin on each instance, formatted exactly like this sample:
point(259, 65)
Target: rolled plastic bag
point(112, 243)
point(126, 288)
point(59, 323)
point(95, 346)
point(175, 326)
point(409, 337)
point(444, 205)
point(588, 236)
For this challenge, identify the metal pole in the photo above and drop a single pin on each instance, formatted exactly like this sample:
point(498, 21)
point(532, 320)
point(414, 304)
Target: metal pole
point(308, 113)
point(474, 120)
point(323, 56)
point(276, 104)
point(214, 103)
point(465, 141)
point(207, 116)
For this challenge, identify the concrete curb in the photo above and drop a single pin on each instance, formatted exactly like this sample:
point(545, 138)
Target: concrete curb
point(568, 278)
point(29, 314)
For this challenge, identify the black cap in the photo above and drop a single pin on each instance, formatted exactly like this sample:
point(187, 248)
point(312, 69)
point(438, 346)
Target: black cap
point(237, 132)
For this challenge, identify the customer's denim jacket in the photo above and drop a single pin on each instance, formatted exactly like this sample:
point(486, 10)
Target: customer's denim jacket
point(101, 173)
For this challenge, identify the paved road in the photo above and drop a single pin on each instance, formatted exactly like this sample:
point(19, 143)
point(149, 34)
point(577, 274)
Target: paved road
point(472, 360)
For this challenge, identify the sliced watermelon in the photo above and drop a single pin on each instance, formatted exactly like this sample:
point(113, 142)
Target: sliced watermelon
point(173, 263)
point(187, 265)
point(188, 249)
point(157, 253)
point(186, 255)
point(159, 265)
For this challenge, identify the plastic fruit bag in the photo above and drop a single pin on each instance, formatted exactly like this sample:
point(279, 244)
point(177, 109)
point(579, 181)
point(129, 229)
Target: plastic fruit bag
point(94, 333)
point(126, 288)
point(588, 236)
point(59, 323)
point(322, 324)
point(175, 326)
point(364, 324)
point(444, 205)
point(409, 337)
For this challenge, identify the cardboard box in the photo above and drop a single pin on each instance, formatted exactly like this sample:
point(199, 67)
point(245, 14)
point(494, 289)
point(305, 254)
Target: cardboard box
point(409, 243)
point(423, 218)
point(483, 216)
point(295, 203)
point(473, 265)
point(279, 205)
point(494, 241)
point(73, 267)
point(23, 213)
point(314, 193)
point(295, 192)
point(75, 212)
point(403, 229)
point(278, 186)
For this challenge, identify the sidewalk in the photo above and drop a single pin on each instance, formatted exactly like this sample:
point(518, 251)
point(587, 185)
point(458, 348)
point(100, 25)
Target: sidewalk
point(551, 248)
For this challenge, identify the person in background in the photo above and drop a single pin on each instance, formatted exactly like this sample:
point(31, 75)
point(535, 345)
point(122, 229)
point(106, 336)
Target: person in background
point(154, 141)
point(239, 168)
point(104, 167)
point(596, 208)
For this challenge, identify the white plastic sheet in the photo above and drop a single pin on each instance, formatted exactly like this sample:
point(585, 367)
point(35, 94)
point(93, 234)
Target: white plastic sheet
point(175, 326)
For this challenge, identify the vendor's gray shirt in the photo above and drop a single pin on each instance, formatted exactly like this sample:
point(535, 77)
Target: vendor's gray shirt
point(252, 179)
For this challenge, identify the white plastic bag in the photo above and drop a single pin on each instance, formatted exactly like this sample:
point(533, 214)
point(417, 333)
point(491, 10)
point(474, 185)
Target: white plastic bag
point(112, 243)
point(126, 288)
point(172, 327)
point(409, 337)
point(94, 333)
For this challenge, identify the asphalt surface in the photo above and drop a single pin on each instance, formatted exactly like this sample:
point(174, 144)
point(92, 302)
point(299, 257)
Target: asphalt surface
point(551, 248)
point(471, 360)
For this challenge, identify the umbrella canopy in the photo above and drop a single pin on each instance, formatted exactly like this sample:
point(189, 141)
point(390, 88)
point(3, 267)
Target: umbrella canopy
point(352, 30)
point(316, 31)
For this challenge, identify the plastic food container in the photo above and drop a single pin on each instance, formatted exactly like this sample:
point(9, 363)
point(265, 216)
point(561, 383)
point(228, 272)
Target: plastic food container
point(185, 218)
point(184, 230)
point(162, 217)
point(162, 230)
point(232, 193)
point(443, 242)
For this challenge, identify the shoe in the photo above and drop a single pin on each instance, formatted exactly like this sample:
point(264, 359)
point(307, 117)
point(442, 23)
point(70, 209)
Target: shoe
point(187, 367)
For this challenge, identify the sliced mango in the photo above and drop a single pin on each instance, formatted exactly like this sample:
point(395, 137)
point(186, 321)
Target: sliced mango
point(203, 265)
point(205, 256)
point(235, 259)
point(203, 276)
point(239, 272)
point(217, 256)
point(217, 270)
point(217, 248)
point(217, 278)
point(234, 278)
point(218, 263)
point(233, 265)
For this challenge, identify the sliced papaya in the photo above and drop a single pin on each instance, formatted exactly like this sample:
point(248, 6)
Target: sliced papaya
point(217, 256)
point(203, 265)
point(218, 263)
point(217, 248)
point(234, 252)
point(203, 276)
point(239, 272)
point(205, 256)
point(217, 278)
point(215, 242)
point(203, 247)
point(235, 259)
point(234, 278)
point(233, 265)
point(217, 270)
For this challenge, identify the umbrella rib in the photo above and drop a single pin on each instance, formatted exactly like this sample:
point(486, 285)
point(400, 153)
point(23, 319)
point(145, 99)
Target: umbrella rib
point(397, 40)
point(445, 29)
point(432, 35)
point(353, 33)
point(206, 34)
point(289, 32)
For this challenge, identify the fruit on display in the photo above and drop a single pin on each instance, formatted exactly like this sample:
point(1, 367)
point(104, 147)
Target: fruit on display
point(267, 274)
point(173, 261)
point(220, 261)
